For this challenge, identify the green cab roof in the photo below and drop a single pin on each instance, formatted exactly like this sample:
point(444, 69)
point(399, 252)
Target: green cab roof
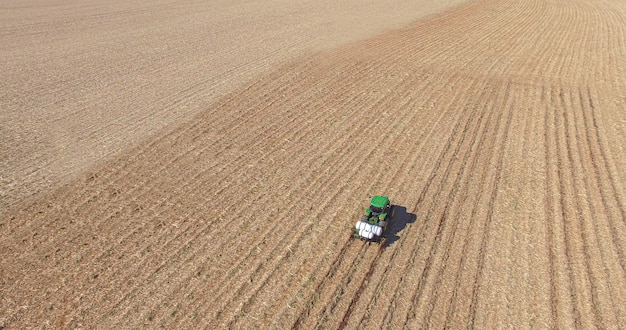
point(379, 201)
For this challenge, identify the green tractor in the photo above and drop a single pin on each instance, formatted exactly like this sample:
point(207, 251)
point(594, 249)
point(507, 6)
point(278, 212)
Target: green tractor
point(374, 222)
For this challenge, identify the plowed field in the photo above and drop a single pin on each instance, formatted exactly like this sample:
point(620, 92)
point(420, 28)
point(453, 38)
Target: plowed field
point(496, 126)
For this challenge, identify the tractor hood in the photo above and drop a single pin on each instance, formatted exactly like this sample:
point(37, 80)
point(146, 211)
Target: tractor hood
point(379, 201)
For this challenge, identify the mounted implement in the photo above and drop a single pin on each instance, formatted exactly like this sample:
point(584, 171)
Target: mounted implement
point(374, 222)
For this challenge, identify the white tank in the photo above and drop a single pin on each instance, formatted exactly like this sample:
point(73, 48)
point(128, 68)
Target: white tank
point(368, 230)
point(377, 230)
point(366, 234)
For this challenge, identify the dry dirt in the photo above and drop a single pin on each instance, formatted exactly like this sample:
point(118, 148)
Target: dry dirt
point(497, 127)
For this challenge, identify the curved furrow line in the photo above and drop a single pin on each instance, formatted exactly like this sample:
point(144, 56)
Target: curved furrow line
point(347, 163)
point(385, 46)
point(604, 155)
point(603, 298)
point(500, 46)
point(481, 138)
point(311, 183)
point(563, 296)
point(495, 43)
point(514, 38)
point(497, 178)
point(601, 44)
point(572, 29)
point(167, 166)
point(587, 52)
point(393, 129)
point(539, 36)
point(546, 60)
point(456, 198)
point(597, 160)
point(550, 206)
point(400, 128)
point(399, 251)
point(359, 290)
point(415, 115)
point(588, 278)
point(546, 43)
point(332, 308)
point(411, 164)
point(450, 153)
point(611, 47)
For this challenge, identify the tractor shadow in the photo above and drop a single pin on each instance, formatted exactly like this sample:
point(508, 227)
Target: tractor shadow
point(399, 221)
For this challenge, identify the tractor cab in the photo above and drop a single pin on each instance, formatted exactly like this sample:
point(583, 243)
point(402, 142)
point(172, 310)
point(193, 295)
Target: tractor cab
point(372, 225)
point(379, 206)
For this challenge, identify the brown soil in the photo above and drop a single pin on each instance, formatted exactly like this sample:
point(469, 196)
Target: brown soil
point(497, 127)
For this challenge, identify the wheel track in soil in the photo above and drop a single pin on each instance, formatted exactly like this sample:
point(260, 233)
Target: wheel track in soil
point(399, 244)
point(346, 163)
point(148, 211)
point(595, 154)
point(285, 236)
point(513, 50)
point(481, 255)
point(430, 180)
point(331, 308)
point(454, 139)
point(300, 319)
point(412, 163)
point(378, 288)
point(482, 135)
point(467, 252)
point(564, 204)
point(573, 148)
point(594, 231)
point(451, 200)
point(161, 168)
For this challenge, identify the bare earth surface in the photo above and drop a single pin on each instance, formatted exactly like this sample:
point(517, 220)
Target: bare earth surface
point(83, 80)
point(497, 127)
